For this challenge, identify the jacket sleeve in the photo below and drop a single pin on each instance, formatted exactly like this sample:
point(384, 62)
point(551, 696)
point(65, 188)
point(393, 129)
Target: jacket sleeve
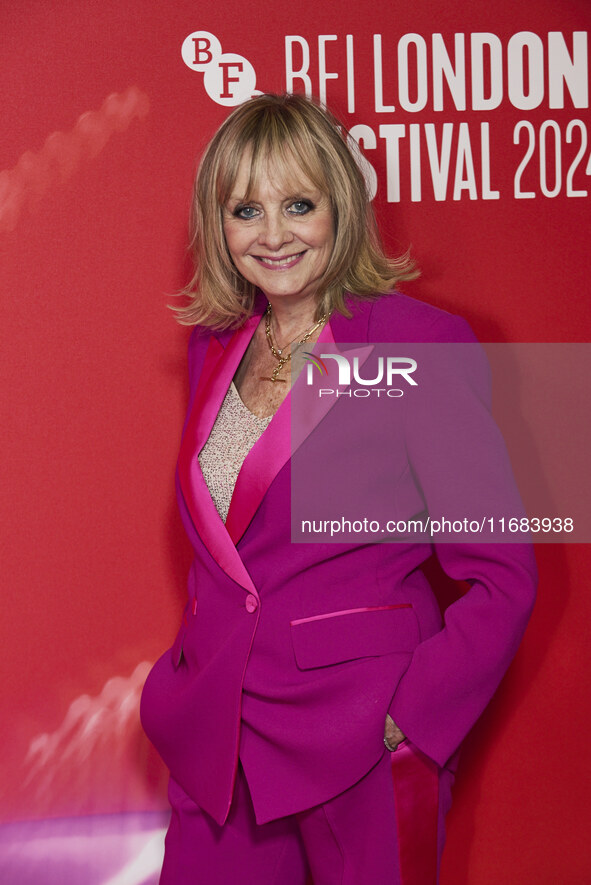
point(460, 463)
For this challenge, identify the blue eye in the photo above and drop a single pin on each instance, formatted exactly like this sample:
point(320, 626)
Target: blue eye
point(301, 207)
point(246, 212)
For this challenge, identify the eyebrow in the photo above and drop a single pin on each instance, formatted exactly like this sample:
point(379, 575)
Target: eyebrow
point(305, 194)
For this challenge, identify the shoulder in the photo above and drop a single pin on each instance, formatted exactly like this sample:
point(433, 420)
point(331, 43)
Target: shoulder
point(198, 342)
point(397, 317)
point(198, 351)
point(201, 337)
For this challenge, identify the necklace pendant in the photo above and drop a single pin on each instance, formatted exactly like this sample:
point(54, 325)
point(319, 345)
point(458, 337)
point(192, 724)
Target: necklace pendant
point(272, 380)
point(279, 350)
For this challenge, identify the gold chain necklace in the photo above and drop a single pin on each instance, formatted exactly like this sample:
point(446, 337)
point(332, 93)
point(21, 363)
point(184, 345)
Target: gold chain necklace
point(278, 352)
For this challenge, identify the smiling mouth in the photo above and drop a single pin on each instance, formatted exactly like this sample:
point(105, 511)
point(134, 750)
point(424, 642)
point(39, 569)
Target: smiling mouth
point(285, 261)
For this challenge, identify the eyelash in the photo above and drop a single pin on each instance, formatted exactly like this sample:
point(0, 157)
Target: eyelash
point(309, 206)
point(307, 203)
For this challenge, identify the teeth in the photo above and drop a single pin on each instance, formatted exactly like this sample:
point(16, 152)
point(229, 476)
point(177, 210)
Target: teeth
point(278, 262)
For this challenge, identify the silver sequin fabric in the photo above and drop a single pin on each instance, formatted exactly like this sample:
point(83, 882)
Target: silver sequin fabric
point(234, 433)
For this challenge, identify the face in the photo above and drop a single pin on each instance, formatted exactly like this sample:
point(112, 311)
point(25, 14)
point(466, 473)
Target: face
point(281, 239)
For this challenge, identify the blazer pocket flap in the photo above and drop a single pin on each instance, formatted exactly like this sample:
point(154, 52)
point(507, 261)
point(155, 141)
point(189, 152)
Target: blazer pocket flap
point(336, 637)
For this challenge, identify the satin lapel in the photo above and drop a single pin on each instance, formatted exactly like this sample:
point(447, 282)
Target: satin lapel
point(218, 370)
point(281, 438)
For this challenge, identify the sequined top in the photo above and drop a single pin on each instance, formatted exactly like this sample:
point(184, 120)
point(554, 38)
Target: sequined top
point(234, 433)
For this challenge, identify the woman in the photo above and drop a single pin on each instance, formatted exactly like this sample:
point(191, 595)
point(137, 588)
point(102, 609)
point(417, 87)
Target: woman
point(313, 702)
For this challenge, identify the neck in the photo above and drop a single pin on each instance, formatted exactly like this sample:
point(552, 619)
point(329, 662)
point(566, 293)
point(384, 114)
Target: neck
point(291, 318)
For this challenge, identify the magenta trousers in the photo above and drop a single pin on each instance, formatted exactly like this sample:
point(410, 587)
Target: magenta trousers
point(387, 829)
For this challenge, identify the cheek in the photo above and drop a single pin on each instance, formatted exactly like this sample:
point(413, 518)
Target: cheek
point(325, 233)
point(326, 241)
point(233, 240)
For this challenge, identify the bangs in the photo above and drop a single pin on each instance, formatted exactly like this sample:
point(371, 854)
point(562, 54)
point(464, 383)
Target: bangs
point(292, 155)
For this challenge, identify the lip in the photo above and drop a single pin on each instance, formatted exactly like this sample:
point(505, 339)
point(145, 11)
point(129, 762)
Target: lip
point(283, 262)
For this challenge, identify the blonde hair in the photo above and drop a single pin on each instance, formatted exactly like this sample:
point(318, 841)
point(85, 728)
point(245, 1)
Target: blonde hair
point(300, 137)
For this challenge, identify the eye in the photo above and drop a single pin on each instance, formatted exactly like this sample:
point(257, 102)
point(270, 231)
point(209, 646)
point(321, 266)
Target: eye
point(301, 207)
point(246, 212)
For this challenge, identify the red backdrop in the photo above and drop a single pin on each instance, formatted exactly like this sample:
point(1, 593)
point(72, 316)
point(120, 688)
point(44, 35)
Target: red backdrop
point(103, 119)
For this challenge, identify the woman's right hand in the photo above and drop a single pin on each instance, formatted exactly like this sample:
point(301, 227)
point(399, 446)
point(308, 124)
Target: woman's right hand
point(392, 734)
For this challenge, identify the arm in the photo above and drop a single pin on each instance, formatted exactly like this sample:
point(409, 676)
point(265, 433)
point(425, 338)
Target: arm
point(460, 463)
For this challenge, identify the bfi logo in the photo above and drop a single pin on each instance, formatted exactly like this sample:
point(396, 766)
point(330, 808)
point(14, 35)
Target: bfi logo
point(228, 78)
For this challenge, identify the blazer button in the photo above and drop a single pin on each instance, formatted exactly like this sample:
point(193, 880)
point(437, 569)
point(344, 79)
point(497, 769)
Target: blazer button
point(251, 603)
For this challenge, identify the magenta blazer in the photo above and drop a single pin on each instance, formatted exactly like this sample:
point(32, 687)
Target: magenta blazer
point(290, 655)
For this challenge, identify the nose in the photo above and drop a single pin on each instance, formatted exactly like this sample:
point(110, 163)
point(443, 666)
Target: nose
point(275, 231)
